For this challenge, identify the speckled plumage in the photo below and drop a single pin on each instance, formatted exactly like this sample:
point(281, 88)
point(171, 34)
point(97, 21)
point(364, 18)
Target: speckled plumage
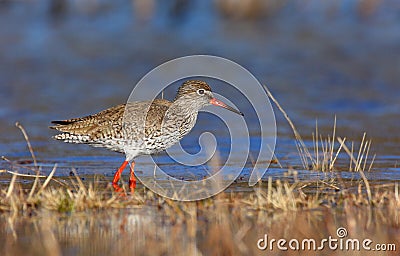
point(166, 123)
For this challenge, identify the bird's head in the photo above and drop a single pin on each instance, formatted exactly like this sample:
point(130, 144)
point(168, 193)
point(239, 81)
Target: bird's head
point(199, 93)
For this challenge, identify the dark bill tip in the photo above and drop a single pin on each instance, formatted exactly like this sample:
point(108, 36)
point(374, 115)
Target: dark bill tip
point(221, 104)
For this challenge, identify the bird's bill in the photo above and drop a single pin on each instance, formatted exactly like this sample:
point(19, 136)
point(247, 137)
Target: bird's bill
point(219, 103)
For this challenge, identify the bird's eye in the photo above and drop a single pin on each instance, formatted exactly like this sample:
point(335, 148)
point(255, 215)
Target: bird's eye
point(200, 91)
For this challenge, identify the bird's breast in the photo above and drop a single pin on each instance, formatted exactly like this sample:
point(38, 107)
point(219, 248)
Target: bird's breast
point(171, 132)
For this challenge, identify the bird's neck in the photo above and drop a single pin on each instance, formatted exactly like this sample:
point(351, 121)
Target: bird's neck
point(185, 106)
point(181, 116)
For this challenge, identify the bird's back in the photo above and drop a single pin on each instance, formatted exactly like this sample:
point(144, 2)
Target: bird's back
point(112, 129)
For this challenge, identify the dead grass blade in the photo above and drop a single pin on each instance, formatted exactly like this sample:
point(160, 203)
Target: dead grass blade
point(358, 164)
point(300, 143)
point(47, 180)
point(11, 186)
point(17, 124)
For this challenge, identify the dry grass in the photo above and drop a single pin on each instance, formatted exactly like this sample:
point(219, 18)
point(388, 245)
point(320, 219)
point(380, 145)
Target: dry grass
point(325, 152)
point(283, 195)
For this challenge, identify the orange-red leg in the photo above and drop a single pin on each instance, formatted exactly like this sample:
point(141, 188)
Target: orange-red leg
point(117, 176)
point(132, 178)
point(118, 173)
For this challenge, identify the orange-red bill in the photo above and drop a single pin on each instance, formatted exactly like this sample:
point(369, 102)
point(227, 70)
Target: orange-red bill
point(219, 103)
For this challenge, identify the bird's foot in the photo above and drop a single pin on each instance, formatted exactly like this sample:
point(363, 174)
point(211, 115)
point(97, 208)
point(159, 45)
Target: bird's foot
point(117, 188)
point(121, 190)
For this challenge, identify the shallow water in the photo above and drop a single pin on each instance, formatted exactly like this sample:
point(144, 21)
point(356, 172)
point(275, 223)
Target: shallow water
point(319, 61)
point(144, 231)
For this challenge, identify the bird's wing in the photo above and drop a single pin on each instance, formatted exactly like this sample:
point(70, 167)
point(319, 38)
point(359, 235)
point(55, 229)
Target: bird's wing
point(109, 122)
point(102, 122)
point(156, 115)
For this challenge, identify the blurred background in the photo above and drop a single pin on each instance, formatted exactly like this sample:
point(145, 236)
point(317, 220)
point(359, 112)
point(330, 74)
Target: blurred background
point(68, 58)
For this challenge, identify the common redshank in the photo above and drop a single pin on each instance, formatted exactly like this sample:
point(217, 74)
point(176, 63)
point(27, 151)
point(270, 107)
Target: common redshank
point(164, 124)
